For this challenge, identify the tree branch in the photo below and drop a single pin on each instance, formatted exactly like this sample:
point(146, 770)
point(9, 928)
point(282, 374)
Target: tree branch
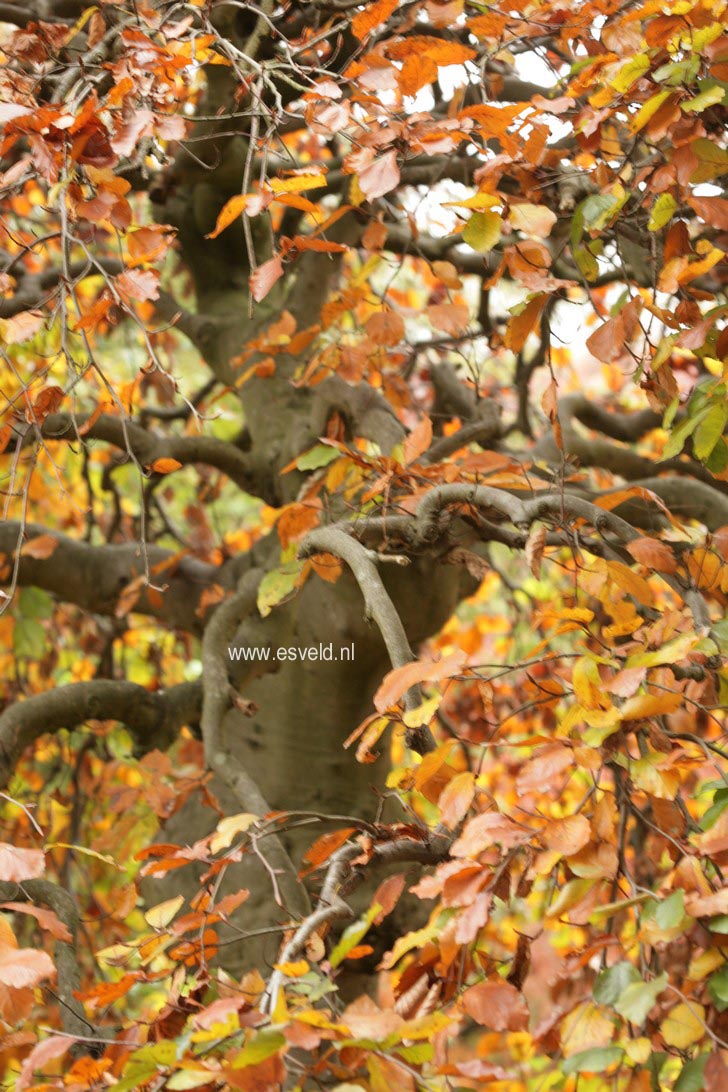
point(153, 717)
point(379, 607)
point(94, 577)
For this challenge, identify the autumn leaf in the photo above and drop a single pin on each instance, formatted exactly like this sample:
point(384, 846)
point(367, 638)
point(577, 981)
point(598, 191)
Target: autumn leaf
point(18, 864)
point(398, 681)
point(496, 1005)
point(380, 176)
point(385, 327)
point(264, 277)
point(40, 547)
point(653, 554)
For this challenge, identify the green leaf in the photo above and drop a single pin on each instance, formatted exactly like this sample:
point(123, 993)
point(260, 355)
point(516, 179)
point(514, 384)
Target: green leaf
point(662, 211)
point(261, 1046)
point(710, 430)
point(719, 924)
point(482, 231)
point(718, 988)
point(352, 935)
point(595, 1060)
point(184, 1079)
point(710, 96)
point(634, 68)
point(611, 984)
point(638, 998)
point(277, 585)
point(318, 456)
point(586, 263)
point(679, 435)
point(598, 210)
point(720, 800)
point(35, 603)
point(29, 639)
point(671, 911)
point(691, 1075)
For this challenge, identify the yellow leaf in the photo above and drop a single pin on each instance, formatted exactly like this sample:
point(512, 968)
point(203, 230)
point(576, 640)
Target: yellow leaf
point(160, 915)
point(684, 1026)
point(630, 582)
point(229, 827)
point(292, 970)
point(297, 183)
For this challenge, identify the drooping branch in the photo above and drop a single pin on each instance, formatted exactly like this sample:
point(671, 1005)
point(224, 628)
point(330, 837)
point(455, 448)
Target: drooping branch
point(153, 717)
point(216, 703)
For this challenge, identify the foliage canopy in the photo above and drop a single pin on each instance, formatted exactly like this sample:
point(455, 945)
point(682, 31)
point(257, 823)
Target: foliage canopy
point(397, 327)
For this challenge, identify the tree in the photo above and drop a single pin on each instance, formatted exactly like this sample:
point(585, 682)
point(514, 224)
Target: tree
point(364, 391)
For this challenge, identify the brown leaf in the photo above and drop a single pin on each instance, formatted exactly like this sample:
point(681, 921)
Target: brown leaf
point(653, 554)
point(535, 544)
point(496, 1005)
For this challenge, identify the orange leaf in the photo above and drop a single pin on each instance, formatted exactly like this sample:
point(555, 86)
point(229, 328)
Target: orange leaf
point(324, 846)
point(165, 466)
point(397, 682)
point(365, 21)
point(418, 440)
point(229, 212)
point(385, 327)
point(40, 547)
point(567, 836)
point(456, 798)
point(18, 864)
